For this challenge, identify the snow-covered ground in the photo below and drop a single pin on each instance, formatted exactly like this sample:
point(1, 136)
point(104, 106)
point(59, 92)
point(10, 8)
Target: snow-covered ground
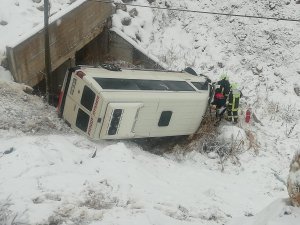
point(51, 175)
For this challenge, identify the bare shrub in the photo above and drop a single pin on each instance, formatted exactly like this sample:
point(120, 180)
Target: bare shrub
point(272, 108)
point(289, 113)
point(8, 217)
point(5, 213)
point(206, 142)
point(289, 129)
point(193, 142)
point(225, 150)
point(96, 200)
point(207, 128)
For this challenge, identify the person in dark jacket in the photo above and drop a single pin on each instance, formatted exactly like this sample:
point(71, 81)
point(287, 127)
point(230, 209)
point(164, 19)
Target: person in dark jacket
point(224, 85)
point(219, 102)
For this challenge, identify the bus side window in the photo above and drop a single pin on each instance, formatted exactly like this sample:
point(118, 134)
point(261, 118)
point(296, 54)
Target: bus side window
point(82, 120)
point(165, 118)
point(87, 98)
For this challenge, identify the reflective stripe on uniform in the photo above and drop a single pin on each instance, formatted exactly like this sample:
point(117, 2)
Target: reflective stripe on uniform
point(236, 94)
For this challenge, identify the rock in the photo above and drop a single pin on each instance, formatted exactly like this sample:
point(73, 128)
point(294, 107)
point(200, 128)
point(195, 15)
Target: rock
point(287, 2)
point(256, 120)
point(6, 152)
point(41, 7)
point(24, 98)
point(297, 90)
point(287, 210)
point(241, 37)
point(3, 23)
point(121, 6)
point(38, 200)
point(138, 37)
point(243, 62)
point(272, 5)
point(297, 1)
point(211, 67)
point(133, 12)
point(248, 214)
point(4, 63)
point(220, 64)
point(183, 209)
point(167, 5)
point(293, 182)
point(28, 89)
point(257, 70)
point(126, 21)
point(36, 1)
point(277, 74)
point(234, 6)
point(212, 155)
point(151, 1)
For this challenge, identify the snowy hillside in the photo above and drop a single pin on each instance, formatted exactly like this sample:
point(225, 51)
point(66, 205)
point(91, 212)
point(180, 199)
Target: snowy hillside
point(51, 175)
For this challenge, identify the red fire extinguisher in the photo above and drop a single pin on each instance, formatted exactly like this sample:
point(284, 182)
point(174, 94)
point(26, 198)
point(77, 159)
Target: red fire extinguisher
point(248, 116)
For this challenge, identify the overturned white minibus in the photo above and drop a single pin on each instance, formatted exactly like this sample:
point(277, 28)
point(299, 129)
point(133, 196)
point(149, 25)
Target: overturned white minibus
point(109, 103)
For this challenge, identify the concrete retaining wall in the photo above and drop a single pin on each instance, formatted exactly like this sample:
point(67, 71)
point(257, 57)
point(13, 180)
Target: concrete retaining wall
point(69, 34)
point(80, 37)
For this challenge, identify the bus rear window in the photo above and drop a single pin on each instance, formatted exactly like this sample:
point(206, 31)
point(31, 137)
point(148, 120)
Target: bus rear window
point(146, 85)
point(88, 98)
point(82, 120)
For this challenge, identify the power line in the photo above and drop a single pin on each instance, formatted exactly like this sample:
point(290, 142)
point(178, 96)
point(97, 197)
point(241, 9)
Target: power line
point(201, 12)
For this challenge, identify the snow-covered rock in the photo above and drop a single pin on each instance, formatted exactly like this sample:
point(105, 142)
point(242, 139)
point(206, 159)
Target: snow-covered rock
point(279, 212)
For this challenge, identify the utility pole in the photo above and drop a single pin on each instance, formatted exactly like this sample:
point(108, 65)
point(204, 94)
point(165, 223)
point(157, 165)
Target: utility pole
point(47, 54)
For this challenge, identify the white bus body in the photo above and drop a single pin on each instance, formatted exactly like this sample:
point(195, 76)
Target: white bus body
point(106, 104)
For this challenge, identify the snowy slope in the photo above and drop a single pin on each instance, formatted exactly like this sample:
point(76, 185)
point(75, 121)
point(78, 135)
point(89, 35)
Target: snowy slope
point(49, 175)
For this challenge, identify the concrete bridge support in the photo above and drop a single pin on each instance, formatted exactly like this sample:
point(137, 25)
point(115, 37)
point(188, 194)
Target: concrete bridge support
point(68, 34)
point(80, 37)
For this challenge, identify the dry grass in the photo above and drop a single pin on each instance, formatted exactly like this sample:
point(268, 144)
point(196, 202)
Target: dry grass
point(7, 217)
point(293, 185)
point(206, 142)
point(252, 141)
point(207, 128)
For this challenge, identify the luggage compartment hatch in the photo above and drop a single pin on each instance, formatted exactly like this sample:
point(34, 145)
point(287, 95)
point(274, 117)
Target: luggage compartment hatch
point(119, 120)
